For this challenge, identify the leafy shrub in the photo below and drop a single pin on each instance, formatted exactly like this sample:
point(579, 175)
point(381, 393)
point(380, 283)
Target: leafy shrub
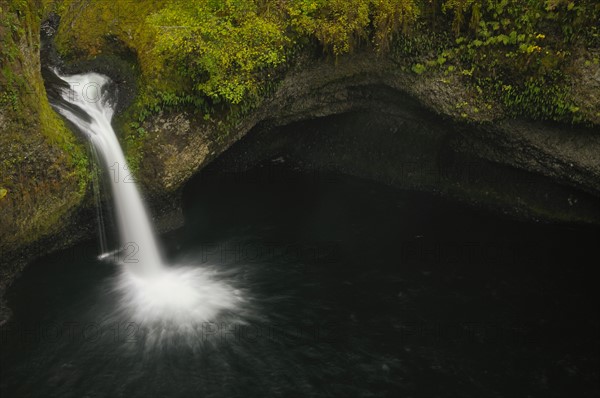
point(224, 47)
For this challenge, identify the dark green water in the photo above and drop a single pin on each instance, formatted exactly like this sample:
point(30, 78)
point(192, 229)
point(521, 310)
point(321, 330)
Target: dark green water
point(354, 289)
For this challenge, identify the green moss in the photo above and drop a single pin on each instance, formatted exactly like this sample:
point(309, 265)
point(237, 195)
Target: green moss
point(43, 168)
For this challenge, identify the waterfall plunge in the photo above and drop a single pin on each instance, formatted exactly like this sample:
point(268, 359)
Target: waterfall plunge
point(139, 250)
point(176, 299)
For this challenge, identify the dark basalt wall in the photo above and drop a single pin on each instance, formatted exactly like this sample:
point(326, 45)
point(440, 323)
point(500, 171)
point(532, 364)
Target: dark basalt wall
point(392, 139)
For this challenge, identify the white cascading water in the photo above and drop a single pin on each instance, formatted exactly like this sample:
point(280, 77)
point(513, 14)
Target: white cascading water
point(152, 293)
point(139, 249)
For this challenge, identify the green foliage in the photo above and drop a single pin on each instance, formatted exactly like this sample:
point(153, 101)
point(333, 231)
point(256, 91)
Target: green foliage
point(523, 45)
point(219, 56)
point(391, 17)
point(459, 9)
point(10, 32)
point(230, 52)
point(9, 99)
point(419, 68)
point(539, 98)
point(342, 25)
point(338, 24)
point(223, 47)
point(80, 163)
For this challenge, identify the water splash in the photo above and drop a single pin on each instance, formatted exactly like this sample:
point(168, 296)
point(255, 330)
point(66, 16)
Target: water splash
point(179, 298)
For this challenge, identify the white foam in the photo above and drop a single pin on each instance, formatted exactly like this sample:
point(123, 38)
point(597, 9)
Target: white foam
point(183, 296)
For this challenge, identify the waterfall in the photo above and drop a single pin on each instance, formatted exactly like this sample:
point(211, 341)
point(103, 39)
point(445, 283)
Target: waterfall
point(169, 300)
point(139, 251)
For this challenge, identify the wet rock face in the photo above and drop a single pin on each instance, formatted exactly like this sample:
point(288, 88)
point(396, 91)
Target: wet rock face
point(400, 133)
point(49, 26)
point(568, 155)
point(586, 85)
point(422, 153)
point(179, 148)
